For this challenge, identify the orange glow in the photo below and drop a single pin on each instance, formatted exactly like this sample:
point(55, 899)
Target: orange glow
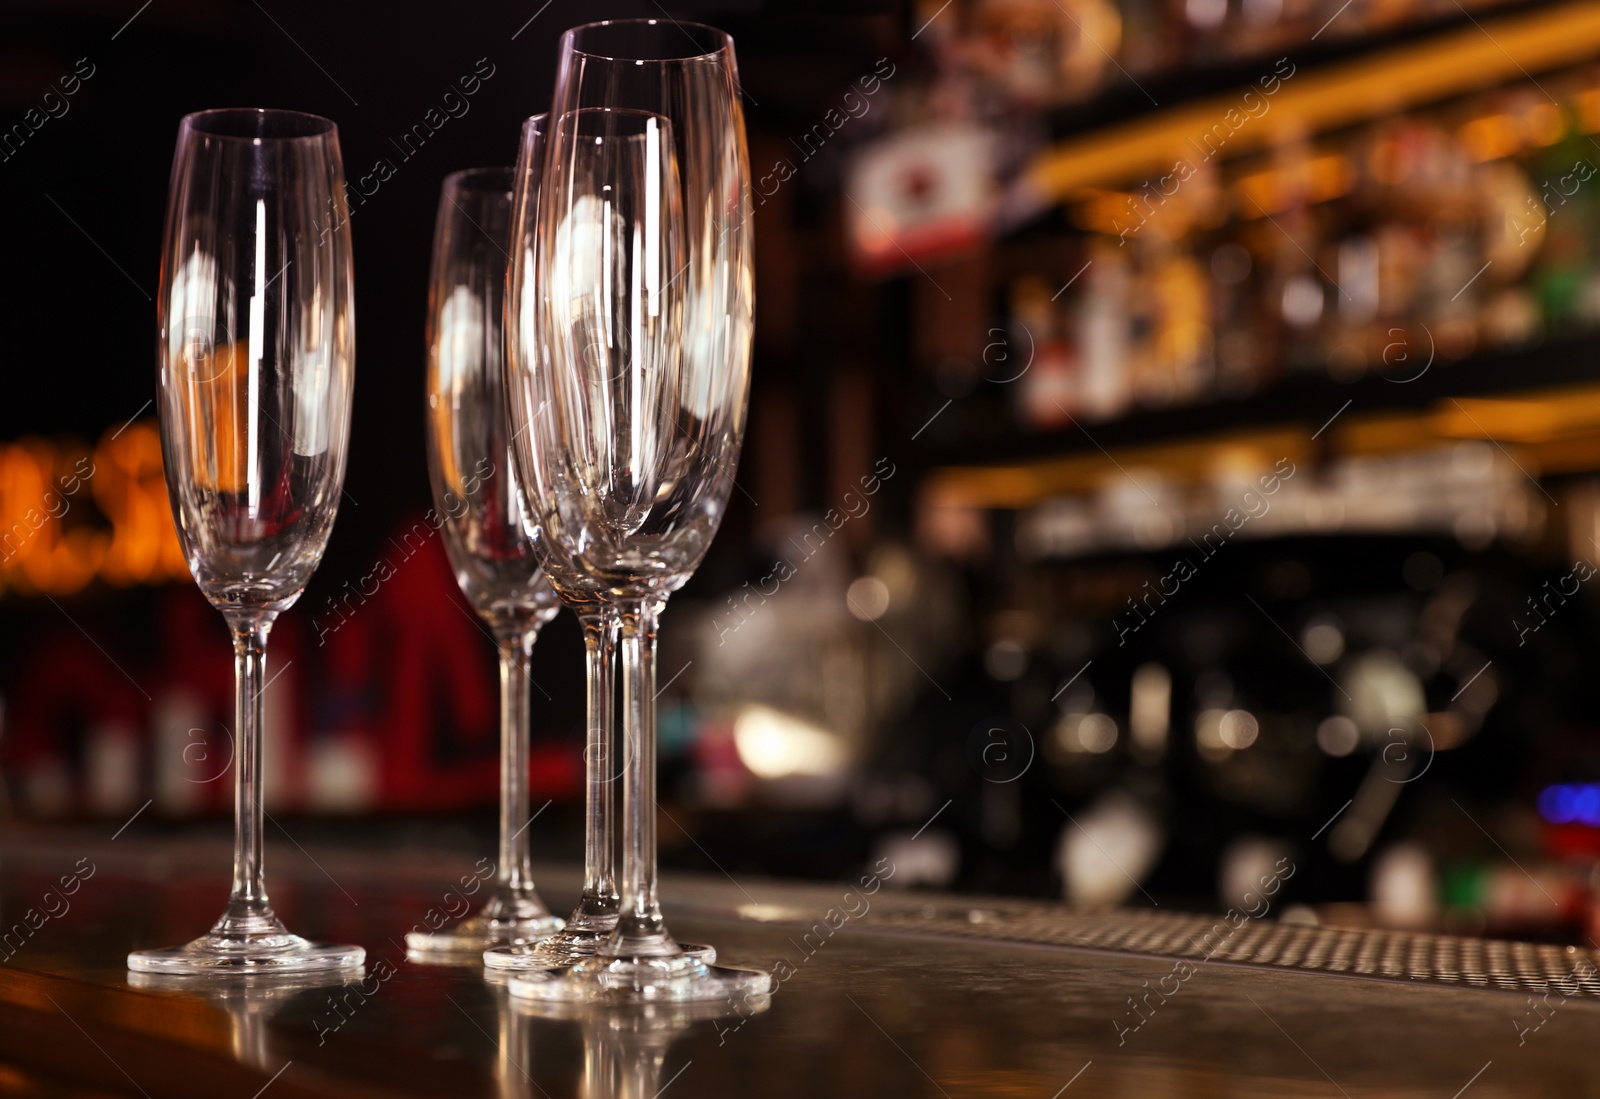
point(1545, 123)
point(1189, 461)
point(217, 393)
point(1493, 136)
point(1554, 431)
point(1544, 417)
point(1320, 180)
point(1587, 106)
point(1368, 88)
point(57, 498)
point(1389, 164)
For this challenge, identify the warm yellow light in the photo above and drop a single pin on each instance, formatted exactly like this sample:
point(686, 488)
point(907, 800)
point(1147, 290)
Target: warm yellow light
point(1374, 86)
point(1492, 136)
point(867, 598)
point(55, 496)
point(1545, 123)
point(777, 745)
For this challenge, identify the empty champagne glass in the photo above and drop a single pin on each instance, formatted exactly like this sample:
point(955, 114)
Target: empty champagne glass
point(256, 359)
point(596, 913)
point(478, 505)
point(595, 916)
point(642, 291)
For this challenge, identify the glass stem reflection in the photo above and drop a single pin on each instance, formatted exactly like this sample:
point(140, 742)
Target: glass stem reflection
point(514, 874)
point(640, 930)
point(249, 897)
point(601, 765)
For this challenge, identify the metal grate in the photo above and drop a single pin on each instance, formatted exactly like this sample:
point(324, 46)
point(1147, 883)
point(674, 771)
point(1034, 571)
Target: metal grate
point(1394, 955)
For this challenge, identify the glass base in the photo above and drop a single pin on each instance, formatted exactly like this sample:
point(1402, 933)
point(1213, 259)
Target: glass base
point(568, 948)
point(648, 1019)
point(589, 925)
point(587, 930)
point(634, 980)
point(250, 945)
point(250, 990)
point(465, 943)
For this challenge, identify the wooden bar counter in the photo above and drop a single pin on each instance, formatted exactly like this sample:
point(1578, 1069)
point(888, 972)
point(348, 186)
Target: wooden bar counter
point(885, 994)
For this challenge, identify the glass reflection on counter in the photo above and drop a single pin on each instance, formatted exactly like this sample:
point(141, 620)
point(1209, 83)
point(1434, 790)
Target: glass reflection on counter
point(624, 1052)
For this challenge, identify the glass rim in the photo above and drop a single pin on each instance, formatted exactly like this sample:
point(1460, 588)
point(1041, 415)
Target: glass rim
point(569, 39)
point(213, 123)
point(479, 179)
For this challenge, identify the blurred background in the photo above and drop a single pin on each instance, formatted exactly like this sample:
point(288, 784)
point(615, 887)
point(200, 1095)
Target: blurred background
point(1174, 453)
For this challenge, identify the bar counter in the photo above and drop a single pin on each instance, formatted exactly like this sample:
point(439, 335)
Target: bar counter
point(883, 994)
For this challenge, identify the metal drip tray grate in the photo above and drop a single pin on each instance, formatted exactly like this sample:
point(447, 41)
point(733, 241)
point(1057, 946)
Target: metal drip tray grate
point(1395, 955)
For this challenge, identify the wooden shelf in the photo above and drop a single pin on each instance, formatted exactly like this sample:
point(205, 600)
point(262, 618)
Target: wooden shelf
point(1542, 404)
point(1480, 55)
point(1123, 100)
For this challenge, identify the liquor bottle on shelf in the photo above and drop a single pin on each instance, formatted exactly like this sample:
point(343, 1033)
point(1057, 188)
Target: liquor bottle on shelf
point(1240, 348)
point(1048, 388)
point(1066, 52)
point(1466, 228)
point(1104, 326)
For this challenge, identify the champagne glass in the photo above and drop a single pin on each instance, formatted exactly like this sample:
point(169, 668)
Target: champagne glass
point(642, 289)
point(478, 502)
point(596, 913)
point(256, 359)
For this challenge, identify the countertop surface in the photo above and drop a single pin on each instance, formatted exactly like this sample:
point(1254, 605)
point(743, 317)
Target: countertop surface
point(880, 994)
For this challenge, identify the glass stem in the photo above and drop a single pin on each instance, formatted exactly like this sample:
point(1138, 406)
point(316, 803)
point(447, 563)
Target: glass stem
point(249, 898)
point(640, 930)
point(514, 871)
point(601, 763)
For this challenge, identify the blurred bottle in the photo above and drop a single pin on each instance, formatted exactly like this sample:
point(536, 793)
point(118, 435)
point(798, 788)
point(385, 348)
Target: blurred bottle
point(1104, 325)
point(1454, 231)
